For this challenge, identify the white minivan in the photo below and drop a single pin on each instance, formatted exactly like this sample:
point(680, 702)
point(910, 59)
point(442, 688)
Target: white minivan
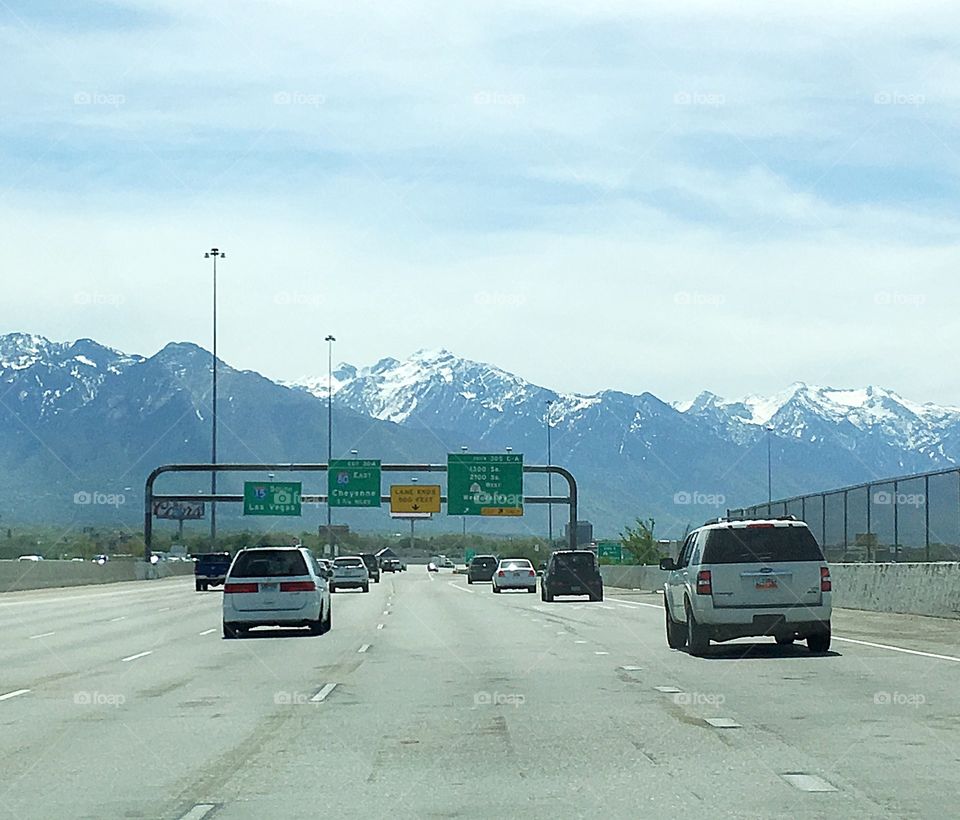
point(739, 579)
point(275, 586)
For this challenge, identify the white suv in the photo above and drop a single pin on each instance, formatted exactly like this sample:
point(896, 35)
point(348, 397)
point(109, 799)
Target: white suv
point(739, 579)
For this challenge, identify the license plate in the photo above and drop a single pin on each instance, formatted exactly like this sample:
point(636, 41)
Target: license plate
point(767, 583)
point(269, 587)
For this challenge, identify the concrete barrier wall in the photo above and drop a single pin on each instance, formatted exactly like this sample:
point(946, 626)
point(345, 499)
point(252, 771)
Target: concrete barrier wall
point(21, 575)
point(916, 589)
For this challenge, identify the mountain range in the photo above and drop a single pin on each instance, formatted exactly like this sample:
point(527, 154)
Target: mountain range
point(81, 422)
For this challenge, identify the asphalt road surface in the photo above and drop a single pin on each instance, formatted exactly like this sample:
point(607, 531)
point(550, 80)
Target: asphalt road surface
point(432, 698)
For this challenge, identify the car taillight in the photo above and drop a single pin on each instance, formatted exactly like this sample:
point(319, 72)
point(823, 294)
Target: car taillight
point(500, 573)
point(704, 582)
point(826, 585)
point(532, 574)
point(761, 526)
point(297, 586)
point(230, 588)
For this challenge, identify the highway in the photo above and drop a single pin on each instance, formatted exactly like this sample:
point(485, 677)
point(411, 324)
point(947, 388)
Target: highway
point(432, 698)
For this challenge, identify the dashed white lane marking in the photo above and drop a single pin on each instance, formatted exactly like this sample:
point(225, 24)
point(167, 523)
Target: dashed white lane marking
point(121, 618)
point(208, 631)
point(579, 641)
point(44, 635)
point(900, 649)
point(363, 648)
point(633, 604)
point(668, 690)
point(632, 668)
point(457, 586)
point(561, 632)
point(199, 811)
point(808, 782)
point(380, 626)
point(321, 696)
point(603, 606)
point(601, 653)
point(136, 657)
point(165, 609)
point(723, 723)
point(14, 694)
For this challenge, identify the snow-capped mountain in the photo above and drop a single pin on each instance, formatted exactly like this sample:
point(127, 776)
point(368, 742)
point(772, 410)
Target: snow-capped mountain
point(81, 416)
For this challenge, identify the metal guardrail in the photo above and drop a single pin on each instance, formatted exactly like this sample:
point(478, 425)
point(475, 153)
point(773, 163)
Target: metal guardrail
point(910, 518)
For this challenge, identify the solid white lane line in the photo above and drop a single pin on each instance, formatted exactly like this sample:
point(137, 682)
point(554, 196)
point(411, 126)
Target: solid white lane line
point(321, 696)
point(633, 604)
point(14, 694)
point(136, 657)
point(199, 811)
point(900, 649)
point(363, 648)
point(208, 631)
point(44, 635)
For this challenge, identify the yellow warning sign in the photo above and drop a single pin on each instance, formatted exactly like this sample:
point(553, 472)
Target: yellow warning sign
point(415, 498)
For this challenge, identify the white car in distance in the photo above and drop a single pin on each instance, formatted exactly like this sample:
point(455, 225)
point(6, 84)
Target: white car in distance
point(515, 573)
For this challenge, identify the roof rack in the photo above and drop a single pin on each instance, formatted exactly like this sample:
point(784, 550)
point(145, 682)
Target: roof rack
point(723, 519)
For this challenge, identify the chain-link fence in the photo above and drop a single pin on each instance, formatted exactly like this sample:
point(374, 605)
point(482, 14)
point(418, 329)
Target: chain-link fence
point(913, 518)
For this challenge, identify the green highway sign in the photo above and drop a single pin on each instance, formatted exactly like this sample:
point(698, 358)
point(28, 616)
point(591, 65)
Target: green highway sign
point(610, 549)
point(354, 482)
point(469, 555)
point(271, 498)
point(488, 484)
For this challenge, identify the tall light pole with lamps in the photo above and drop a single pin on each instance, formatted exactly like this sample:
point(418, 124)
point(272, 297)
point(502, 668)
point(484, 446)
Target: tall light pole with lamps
point(769, 467)
point(214, 254)
point(330, 339)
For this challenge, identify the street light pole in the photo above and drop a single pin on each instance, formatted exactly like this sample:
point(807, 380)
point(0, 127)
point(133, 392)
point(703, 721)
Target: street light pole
point(549, 477)
point(330, 339)
point(769, 467)
point(214, 253)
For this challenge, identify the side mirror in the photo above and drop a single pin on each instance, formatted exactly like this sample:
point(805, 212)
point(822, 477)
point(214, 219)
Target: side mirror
point(668, 564)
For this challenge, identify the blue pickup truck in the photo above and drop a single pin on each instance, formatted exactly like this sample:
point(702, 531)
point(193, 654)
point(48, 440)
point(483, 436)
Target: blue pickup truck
point(210, 570)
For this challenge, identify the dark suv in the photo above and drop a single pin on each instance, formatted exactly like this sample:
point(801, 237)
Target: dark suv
point(482, 568)
point(373, 566)
point(572, 572)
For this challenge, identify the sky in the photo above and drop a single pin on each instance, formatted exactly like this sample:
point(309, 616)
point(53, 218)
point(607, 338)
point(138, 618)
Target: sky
point(644, 196)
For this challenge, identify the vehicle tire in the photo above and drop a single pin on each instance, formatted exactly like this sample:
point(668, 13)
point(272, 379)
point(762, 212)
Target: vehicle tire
point(333, 588)
point(543, 594)
point(496, 589)
point(784, 640)
point(198, 586)
point(819, 643)
point(698, 639)
point(676, 633)
point(328, 620)
point(549, 597)
point(531, 589)
point(366, 587)
point(469, 581)
point(230, 631)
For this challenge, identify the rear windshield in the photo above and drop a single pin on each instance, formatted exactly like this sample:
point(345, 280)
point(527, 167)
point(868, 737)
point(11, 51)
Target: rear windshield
point(747, 545)
point(519, 563)
point(269, 564)
point(347, 562)
point(579, 561)
point(483, 562)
